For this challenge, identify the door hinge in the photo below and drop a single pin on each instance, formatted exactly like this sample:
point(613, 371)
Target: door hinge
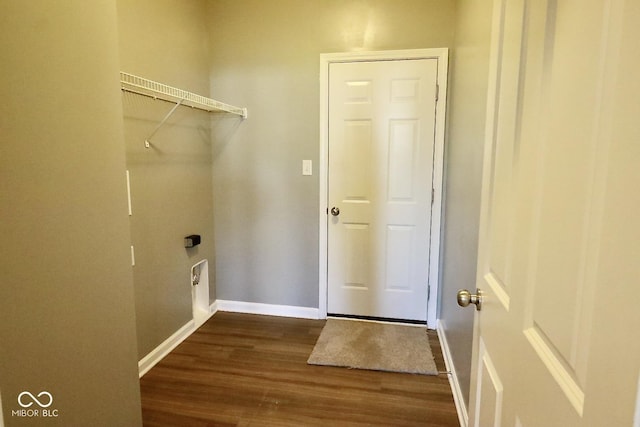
point(437, 92)
point(433, 195)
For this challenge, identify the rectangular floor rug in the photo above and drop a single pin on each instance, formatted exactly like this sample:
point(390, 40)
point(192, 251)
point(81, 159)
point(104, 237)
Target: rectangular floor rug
point(374, 346)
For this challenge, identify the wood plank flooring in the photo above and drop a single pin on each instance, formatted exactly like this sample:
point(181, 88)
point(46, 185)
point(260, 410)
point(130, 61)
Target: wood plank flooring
point(250, 370)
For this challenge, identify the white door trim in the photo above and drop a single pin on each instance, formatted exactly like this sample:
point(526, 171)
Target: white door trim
point(441, 54)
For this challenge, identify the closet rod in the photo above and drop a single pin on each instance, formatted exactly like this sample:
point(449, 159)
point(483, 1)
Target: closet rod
point(141, 86)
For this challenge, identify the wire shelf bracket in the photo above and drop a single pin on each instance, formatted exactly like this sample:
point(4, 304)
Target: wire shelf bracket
point(145, 87)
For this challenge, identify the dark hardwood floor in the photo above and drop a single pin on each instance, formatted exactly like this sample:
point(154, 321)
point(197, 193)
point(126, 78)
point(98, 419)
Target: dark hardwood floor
point(249, 370)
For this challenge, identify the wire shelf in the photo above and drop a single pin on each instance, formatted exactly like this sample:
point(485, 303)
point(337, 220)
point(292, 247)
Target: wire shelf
point(156, 90)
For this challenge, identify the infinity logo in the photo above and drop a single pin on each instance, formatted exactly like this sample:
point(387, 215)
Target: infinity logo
point(35, 399)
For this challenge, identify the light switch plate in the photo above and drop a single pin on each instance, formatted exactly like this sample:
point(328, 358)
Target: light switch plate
point(307, 168)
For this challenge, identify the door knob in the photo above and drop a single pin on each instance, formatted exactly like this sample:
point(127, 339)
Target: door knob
point(465, 298)
point(335, 211)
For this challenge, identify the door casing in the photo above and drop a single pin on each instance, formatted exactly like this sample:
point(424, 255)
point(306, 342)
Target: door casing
point(441, 54)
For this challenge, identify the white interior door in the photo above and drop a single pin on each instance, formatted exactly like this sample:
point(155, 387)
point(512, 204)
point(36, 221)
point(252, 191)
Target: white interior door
point(381, 155)
point(556, 341)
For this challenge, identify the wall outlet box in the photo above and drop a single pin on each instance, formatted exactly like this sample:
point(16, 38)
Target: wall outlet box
point(192, 240)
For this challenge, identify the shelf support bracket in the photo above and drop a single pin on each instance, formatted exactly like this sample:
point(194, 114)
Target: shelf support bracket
point(147, 142)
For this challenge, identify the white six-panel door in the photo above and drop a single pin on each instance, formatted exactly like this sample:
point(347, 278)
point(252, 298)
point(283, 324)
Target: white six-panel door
point(381, 154)
point(556, 341)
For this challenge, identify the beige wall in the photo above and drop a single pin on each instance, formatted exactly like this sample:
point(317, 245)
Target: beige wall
point(171, 186)
point(465, 141)
point(66, 300)
point(265, 55)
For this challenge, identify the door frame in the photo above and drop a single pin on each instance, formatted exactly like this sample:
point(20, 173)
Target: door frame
point(326, 59)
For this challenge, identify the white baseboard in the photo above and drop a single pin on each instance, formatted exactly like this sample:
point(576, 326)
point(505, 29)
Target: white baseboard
point(461, 408)
point(1, 417)
point(158, 353)
point(268, 309)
